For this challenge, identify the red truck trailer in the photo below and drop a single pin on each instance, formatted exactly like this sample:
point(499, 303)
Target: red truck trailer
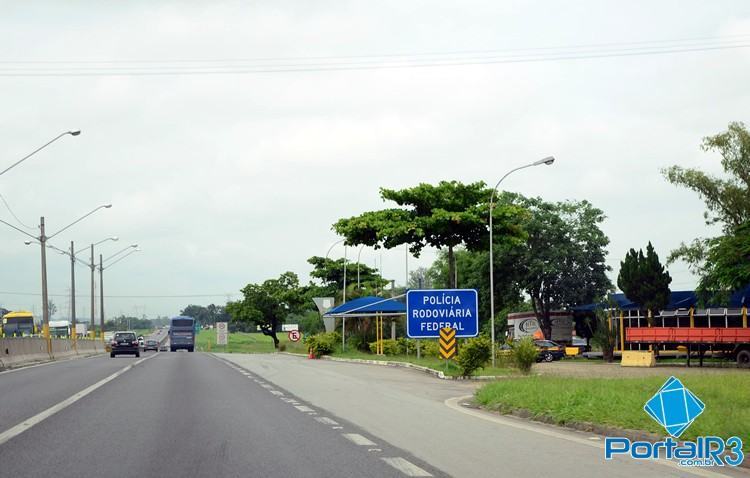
point(721, 331)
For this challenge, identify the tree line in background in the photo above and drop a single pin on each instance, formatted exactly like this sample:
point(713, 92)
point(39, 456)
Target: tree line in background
point(547, 255)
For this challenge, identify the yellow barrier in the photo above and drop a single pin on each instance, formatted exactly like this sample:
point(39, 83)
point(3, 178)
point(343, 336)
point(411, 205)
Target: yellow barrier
point(572, 351)
point(634, 358)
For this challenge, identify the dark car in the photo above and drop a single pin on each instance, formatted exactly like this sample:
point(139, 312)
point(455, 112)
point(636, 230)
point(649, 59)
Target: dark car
point(124, 343)
point(549, 350)
point(151, 345)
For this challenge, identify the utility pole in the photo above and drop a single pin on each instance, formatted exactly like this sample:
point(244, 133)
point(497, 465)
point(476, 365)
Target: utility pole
point(92, 265)
point(101, 294)
point(74, 332)
point(45, 301)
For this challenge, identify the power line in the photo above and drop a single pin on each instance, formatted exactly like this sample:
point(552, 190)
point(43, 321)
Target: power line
point(166, 296)
point(7, 206)
point(350, 63)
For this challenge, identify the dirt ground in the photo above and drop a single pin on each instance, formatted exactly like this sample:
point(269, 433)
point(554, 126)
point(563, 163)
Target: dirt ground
point(599, 369)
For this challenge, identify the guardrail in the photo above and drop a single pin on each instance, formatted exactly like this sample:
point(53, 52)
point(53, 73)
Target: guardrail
point(23, 350)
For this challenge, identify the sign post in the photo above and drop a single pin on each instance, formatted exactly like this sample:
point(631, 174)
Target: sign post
point(222, 333)
point(428, 311)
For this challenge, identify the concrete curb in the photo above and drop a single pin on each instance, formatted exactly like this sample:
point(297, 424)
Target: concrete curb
point(389, 363)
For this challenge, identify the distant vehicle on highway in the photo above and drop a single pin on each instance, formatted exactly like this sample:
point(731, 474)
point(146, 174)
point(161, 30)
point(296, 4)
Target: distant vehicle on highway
point(182, 333)
point(18, 324)
point(163, 348)
point(151, 345)
point(549, 350)
point(124, 342)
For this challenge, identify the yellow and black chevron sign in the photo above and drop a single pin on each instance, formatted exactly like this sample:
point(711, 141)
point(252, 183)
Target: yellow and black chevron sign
point(447, 342)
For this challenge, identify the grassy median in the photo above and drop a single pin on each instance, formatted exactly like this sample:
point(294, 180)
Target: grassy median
point(619, 402)
point(245, 343)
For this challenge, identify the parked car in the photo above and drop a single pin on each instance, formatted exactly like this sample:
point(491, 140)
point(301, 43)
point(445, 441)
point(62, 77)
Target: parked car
point(124, 342)
point(549, 350)
point(151, 345)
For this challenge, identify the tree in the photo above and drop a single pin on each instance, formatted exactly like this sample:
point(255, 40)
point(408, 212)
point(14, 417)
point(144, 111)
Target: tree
point(51, 308)
point(208, 315)
point(331, 273)
point(644, 280)
point(727, 265)
point(727, 200)
point(562, 262)
point(443, 216)
point(268, 304)
point(420, 279)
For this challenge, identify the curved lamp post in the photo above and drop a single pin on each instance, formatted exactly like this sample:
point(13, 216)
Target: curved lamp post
point(42, 240)
point(72, 133)
point(548, 161)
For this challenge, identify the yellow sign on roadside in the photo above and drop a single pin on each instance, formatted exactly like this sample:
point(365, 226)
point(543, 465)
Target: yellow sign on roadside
point(447, 342)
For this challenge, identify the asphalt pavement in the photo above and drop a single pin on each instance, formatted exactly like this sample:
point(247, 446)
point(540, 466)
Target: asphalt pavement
point(178, 414)
point(421, 414)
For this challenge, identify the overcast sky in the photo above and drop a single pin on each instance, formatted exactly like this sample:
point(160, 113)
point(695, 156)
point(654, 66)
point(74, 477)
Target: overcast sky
point(225, 179)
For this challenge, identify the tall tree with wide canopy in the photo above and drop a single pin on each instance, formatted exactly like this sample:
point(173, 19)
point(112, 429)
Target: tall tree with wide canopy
point(719, 261)
point(562, 263)
point(268, 304)
point(644, 279)
point(445, 215)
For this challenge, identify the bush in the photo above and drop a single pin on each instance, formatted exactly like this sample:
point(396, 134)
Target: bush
point(407, 346)
point(429, 348)
point(390, 347)
point(322, 344)
point(524, 354)
point(282, 347)
point(473, 355)
point(604, 337)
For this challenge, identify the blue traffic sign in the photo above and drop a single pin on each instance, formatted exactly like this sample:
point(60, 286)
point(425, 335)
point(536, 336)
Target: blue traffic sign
point(427, 311)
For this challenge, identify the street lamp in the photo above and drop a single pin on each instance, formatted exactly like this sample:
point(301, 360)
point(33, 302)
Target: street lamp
point(134, 248)
point(42, 240)
point(92, 266)
point(547, 161)
point(72, 133)
point(343, 319)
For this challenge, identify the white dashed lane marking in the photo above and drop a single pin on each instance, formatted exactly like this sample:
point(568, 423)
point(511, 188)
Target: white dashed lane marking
point(401, 464)
point(358, 439)
point(405, 466)
point(326, 421)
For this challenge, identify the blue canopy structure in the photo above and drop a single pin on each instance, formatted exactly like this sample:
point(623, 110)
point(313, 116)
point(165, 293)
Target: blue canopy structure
point(368, 306)
point(679, 299)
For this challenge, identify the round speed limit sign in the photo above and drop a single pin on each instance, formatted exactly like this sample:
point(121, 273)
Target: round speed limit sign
point(294, 335)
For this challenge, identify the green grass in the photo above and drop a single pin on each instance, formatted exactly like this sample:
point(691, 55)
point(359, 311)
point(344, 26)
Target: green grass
point(448, 367)
point(245, 343)
point(619, 402)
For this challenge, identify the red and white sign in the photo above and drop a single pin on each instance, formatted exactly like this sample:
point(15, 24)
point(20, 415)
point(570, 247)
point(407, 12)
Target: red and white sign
point(294, 335)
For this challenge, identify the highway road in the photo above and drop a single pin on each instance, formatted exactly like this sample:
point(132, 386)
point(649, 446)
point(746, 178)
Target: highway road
point(225, 415)
point(183, 415)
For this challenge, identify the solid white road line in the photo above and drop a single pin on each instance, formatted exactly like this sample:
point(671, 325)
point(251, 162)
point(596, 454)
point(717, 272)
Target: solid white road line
point(405, 466)
point(358, 439)
point(303, 408)
point(550, 432)
point(40, 417)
